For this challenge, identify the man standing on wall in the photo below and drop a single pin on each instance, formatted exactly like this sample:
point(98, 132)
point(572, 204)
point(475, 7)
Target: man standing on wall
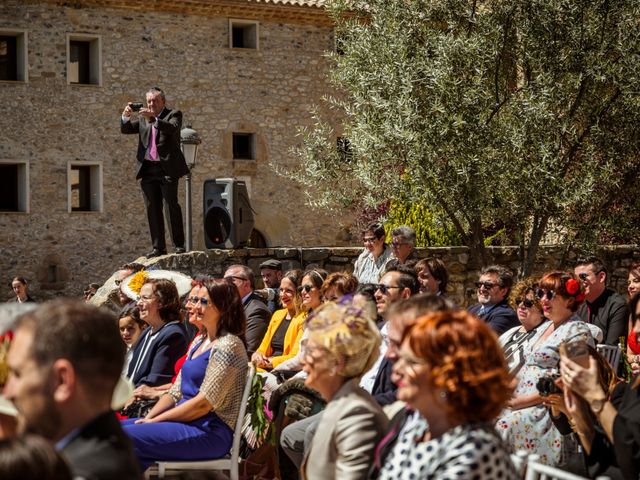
point(160, 165)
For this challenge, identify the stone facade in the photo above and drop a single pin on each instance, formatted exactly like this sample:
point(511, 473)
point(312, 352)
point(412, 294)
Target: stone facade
point(462, 273)
point(184, 48)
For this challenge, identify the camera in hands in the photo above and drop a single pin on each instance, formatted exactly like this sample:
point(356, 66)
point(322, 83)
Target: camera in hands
point(547, 385)
point(136, 106)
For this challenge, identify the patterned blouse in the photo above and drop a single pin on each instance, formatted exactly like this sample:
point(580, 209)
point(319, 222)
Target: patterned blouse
point(464, 452)
point(224, 379)
point(368, 270)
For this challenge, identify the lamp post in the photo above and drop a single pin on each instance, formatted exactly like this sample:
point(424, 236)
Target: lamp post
point(189, 141)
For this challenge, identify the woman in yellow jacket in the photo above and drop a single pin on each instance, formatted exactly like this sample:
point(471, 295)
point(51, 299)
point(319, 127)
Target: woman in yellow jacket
point(282, 340)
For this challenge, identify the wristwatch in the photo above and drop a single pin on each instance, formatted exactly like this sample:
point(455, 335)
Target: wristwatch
point(597, 405)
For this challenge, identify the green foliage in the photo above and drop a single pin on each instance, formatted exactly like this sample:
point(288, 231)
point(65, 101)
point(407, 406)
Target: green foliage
point(520, 113)
point(431, 229)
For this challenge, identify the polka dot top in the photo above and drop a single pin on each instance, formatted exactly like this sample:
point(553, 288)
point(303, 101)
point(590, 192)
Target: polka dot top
point(465, 452)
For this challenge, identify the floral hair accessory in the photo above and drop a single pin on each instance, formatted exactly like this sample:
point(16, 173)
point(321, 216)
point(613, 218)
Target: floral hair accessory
point(572, 286)
point(136, 282)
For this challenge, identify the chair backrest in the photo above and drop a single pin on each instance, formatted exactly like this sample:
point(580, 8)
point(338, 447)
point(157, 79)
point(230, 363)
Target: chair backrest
point(519, 460)
point(539, 471)
point(237, 434)
point(611, 353)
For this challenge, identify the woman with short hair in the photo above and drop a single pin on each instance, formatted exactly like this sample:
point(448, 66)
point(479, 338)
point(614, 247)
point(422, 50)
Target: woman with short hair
point(371, 263)
point(452, 371)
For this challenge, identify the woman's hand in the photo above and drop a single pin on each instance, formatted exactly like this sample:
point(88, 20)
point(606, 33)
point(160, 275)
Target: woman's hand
point(557, 403)
point(579, 418)
point(258, 359)
point(149, 393)
point(583, 381)
point(145, 420)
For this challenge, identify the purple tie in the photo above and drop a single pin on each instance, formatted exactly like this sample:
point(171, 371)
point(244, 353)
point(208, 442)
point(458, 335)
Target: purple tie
point(153, 150)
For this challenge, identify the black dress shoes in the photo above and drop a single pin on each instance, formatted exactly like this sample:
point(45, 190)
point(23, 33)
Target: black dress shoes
point(180, 250)
point(155, 253)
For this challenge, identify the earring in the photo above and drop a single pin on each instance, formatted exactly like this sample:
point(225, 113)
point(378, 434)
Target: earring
point(443, 394)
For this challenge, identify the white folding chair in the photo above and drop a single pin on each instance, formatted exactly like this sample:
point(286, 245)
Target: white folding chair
point(539, 471)
point(232, 460)
point(611, 354)
point(519, 460)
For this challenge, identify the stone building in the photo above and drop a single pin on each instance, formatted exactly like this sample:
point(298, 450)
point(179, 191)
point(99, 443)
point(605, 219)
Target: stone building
point(245, 74)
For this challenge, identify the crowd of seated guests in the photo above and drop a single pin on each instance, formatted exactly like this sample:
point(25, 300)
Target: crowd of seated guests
point(413, 386)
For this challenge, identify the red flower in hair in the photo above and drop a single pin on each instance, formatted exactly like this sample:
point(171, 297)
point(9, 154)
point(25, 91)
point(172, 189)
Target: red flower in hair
point(572, 286)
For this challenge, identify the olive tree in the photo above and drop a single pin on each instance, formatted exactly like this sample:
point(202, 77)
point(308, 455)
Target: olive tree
point(523, 112)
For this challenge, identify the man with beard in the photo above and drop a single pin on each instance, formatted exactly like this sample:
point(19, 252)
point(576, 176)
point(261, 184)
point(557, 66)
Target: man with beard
point(64, 362)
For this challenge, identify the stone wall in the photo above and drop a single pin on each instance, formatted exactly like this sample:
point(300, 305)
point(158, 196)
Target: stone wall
point(184, 48)
point(462, 273)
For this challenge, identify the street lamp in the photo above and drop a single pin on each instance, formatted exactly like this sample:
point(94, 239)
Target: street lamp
point(189, 141)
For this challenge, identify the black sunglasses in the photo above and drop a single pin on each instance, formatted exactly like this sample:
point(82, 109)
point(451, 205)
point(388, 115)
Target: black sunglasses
point(542, 293)
point(384, 289)
point(486, 285)
point(305, 288)
point(527, 303)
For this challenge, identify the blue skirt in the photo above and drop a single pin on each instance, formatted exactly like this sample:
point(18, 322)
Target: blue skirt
point(205, 438)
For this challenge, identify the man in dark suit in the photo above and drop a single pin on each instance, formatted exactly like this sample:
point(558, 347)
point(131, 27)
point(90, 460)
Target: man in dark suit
point(493, 287)
point(160, 166)
point(603, 307)
point(255, 308)
point(64, 361)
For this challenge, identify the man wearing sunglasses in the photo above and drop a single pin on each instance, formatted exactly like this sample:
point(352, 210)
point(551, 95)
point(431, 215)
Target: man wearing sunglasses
point(493, 289)
point(603, 307)
point(255, 308)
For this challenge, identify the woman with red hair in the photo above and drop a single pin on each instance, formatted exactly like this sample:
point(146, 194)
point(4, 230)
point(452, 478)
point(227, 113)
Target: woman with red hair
point(453, 372)
point(527, 424)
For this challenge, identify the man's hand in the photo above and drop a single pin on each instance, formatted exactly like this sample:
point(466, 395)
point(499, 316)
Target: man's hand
point(127, 111)
point(148, 114)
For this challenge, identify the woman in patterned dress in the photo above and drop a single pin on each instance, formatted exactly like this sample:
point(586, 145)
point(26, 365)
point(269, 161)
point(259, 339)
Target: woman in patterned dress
point(527, 424)
point(453, 372)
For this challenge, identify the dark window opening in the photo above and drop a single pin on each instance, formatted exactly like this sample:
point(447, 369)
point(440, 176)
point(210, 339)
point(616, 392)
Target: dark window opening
point(244, 36)
point(81, 188)
point(9, 189)
point(243, 146)
point(79, 61)
point(8, 57)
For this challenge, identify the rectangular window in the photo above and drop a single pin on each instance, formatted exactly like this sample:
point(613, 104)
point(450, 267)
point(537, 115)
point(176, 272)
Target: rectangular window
point(85, 188)
point(14, 186)
point(243, 34)
point(84, 60)
point(13, 56)
point(244, 146)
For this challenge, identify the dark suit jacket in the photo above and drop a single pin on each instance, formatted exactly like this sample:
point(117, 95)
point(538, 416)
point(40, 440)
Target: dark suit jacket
point(610, 313)
point(384, 390)
point(167, 141)
point(102, 451)
point(501, 317)
point(157, 367)
point(258, 317)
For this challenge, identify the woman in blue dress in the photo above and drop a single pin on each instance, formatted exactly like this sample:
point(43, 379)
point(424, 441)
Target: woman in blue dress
point(196, 418)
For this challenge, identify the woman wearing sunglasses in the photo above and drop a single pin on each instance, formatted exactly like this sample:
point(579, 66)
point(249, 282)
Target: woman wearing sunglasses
point(196, 418)
point(516, 342)
point(282, 340)
point(527, 424)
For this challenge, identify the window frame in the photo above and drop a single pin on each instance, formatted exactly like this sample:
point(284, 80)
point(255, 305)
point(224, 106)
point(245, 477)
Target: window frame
point(244, 23)
point(95, 181)
point(95, 58)
point(22, 54)
point(24, 197)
